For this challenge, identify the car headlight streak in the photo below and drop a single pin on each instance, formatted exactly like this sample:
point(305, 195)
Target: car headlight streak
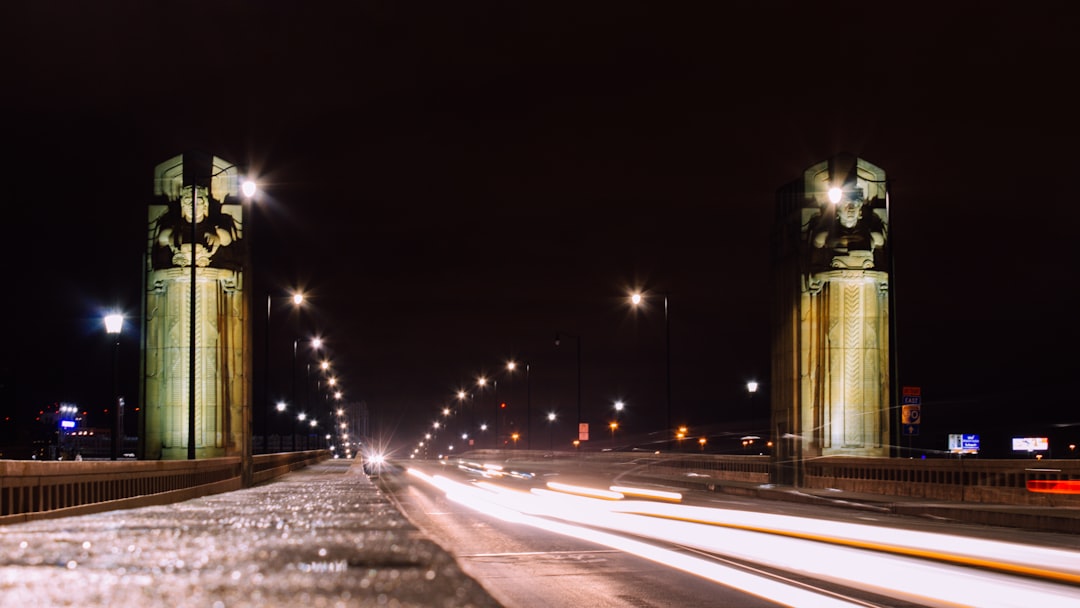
point(881, 560)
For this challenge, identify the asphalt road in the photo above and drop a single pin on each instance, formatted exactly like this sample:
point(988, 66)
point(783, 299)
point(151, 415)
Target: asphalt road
point(528, 567)
point(714, 550)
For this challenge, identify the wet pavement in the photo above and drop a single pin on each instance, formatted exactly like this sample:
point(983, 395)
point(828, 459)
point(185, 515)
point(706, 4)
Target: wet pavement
point(323, 536)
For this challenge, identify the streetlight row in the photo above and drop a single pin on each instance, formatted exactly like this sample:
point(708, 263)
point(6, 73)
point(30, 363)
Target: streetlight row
point(327, 381)
point(637, 299)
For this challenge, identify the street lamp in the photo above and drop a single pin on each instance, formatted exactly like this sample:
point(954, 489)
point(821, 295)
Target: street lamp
point(751, 390)
point(297, 299)
point(551, 425)
point(528, 408)
point(558, 341)
point(114, 323)
point(482, 382)
point(613, 425)
point(636, 299)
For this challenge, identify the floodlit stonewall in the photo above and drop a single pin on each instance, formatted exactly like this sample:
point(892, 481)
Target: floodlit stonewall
point(323, 536)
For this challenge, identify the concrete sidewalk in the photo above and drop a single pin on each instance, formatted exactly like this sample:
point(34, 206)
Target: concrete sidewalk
point(323, 536)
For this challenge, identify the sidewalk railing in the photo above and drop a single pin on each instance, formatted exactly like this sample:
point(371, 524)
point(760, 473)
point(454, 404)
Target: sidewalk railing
point(39, 489)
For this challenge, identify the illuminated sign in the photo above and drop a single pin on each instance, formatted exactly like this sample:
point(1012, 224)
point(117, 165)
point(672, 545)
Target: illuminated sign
point(67, 424)
point(1030, 444)
point(964, 444)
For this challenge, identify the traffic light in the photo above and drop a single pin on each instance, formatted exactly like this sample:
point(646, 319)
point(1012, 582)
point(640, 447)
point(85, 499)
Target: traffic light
point(503, 405)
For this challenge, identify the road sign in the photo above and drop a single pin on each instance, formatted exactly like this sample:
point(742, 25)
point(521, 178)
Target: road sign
point(583, 431)
point(911, 409)
point(911, 414)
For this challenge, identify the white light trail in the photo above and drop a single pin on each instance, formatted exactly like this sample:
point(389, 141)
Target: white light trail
point(488, 502)
point(887, 561)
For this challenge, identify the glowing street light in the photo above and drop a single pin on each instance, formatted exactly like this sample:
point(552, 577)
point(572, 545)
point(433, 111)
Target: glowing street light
point(297, 298)
point(636, 299)
point(114, 323)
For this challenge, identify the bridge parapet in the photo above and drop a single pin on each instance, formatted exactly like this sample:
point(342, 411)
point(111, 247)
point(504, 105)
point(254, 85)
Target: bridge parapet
point(960, 480)
point(40, 489)
point(1002, 482)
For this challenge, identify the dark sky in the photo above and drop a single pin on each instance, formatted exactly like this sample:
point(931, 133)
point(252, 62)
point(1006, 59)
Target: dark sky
point(454, 182)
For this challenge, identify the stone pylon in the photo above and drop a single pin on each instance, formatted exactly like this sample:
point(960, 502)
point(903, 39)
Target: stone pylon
point(831, 321)
point(196, 218)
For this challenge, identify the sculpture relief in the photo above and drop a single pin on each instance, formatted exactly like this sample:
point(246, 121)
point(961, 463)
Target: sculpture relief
point(848, 234)
point(214, 233)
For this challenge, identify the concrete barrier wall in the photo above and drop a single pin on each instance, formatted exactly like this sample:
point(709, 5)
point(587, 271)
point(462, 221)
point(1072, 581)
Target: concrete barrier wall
point(963, 480)
point(31, 489)
point(687, 467)
point(1001, 482)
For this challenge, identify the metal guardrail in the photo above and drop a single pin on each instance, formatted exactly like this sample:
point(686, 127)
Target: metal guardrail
point(41, 489)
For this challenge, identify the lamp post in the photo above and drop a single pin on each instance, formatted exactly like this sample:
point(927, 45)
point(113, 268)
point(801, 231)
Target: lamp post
point(636, 299)
point(510, 367)
point(551, 425)
point(751, 390)
point(463, 423)
point(482, 382)
point(191, 319)
point(528, 409)
point(297, 299)
point(247, 466)
point(558, 341)
point(114, 323)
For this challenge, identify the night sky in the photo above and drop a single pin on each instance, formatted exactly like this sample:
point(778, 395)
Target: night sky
point(452, 183)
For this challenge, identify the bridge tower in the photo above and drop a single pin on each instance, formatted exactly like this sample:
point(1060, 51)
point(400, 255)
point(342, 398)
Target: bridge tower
point(831, 256)
point(196, 338)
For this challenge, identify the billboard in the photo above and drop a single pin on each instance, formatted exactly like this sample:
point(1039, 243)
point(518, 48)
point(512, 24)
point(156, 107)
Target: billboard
point(963, 444)
point(1030, 444)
